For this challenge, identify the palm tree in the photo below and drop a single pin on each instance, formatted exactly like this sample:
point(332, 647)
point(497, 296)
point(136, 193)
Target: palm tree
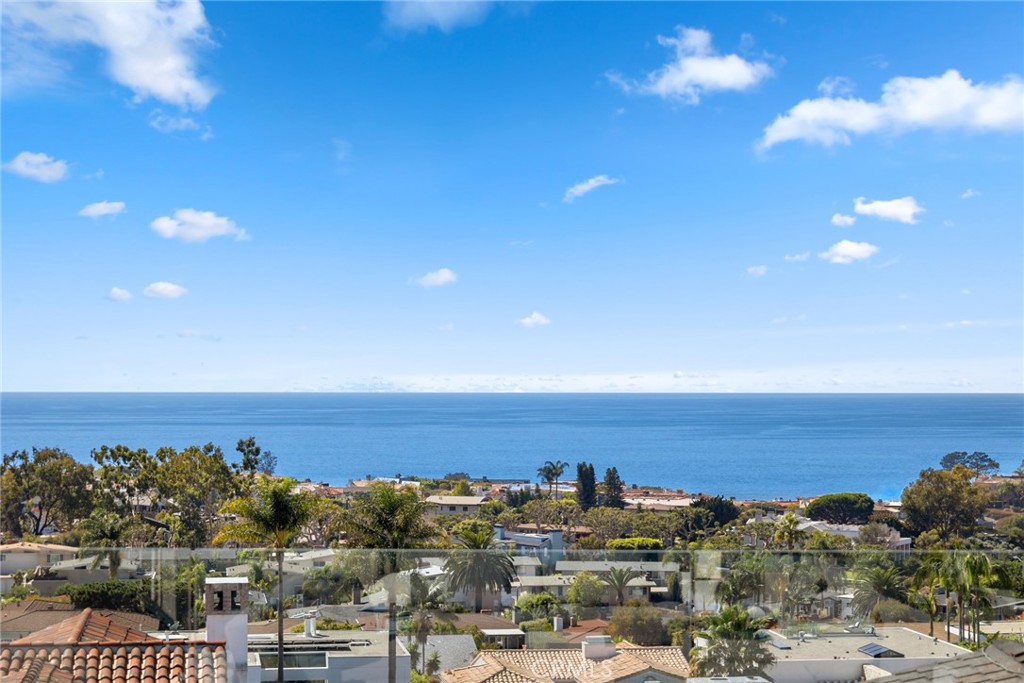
point(550, 471)
point(733, 645)
point(478, 566)
point(618, 579)
point(924, 583)
point(387, 518)
point(271, 516)
point(875, 583)
point(787, 531)
point(106, 532)
point(425, 596)
point(979, 574)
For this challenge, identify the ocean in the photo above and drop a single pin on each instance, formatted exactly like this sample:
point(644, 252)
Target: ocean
point(747, 446)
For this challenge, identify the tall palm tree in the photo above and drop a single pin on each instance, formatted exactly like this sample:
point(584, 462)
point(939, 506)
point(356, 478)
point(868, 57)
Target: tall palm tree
point(477, 565)
point(550, 471)
point(107, 533)
point(951, 578)
point(425, 596)
point(734, 645)
point(618, 579)
point(271, 516)
point(979, 575)
point(388, 519)
point(926, 580)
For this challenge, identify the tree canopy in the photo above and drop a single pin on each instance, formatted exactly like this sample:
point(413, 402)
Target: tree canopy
point(943, 500)
point(841, 508)
point(977, 461)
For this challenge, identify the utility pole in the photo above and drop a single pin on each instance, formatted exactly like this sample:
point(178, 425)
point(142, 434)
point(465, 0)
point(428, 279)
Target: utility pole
point(392, 641)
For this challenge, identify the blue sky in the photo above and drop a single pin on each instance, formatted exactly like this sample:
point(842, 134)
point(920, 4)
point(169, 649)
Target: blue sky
point(513, 197)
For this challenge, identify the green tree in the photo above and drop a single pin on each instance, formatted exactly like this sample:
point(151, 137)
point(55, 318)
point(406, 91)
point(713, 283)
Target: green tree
point(550, 471)
point(693, 523)
point(542, 512)
point(787, 531)
point(875, 581)
point(387, 518)
point(943, 500)
point(638, 622)
point(478, 566)
point(978, 462)
point(618, 578)
point(122, 476)
point(462, 488)
point(255, 460)
point(607, 523)
point(195, 482)
point(538, 606)
point(585, 594)
point(104, 535)
point(841, 508)
point(735, 645)
point(820, 540)
point(272, 516)
point(613, 489)
point(586, 486)
point(42, 489)
point(924, 584)
point(723, 509)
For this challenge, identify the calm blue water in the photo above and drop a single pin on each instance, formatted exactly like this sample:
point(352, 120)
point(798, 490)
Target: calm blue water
point(739, 445)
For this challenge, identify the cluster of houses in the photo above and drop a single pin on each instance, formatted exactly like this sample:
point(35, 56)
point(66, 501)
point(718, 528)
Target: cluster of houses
point(44, 639)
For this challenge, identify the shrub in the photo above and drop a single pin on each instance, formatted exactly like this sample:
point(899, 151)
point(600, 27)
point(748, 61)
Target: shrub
point(892, 611)
point(124, 596)
point(636, 543)
point(536, 625)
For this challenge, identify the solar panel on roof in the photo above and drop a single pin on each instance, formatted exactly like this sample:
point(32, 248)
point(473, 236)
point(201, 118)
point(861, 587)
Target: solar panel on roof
point(878, 651)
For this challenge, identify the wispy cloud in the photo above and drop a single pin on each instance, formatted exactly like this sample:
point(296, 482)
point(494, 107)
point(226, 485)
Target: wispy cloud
point(949, 101)
point(904, 209)
point(836, 85)
point(342, 149)
point(697, 69)
point(757, 271)
point(802, 256)
point(969, 193)
point(118, 294)
point(580, 189)
point(190, 225)
point(846, 251)
point(150, 45)
point(104, 208)
point(444, 15)
point(38, 166)
point(843, 220)
point(437, 278)
point(195, 334)
point(164, 290)
point(169, 123)
point(535, 319)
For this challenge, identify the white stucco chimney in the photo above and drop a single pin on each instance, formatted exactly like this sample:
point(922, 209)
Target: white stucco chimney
point(227, 621)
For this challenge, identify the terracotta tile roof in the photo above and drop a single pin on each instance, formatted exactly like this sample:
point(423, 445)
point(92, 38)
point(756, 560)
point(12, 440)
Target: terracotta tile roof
point(86, 628)
point(546, 666)
point(89, 648)
point(29, 616)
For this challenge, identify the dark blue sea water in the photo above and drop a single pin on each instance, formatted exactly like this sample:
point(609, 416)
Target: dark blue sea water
point(747, 446)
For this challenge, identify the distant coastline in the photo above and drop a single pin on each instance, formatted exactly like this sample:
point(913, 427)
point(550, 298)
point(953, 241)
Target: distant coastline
point(750, 446)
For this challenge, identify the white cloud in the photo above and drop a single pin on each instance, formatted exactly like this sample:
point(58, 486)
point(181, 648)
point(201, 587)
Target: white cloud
point(969, 193)
point(836, 85)
point(904, 209)
point(444, 15)
point(104, 208)
point(843, 220)
point(949, 101)
point(696, 70)
point(342, 149)
point(535, 319)
point(437, 278)
point(38, 166)
point(164, 290)
point(580, 189)
point(846, 251)
point(757, 271)
point(118, 294)
point(150, 45)
point(803, 256)
point(167, 123)
point(189, 225)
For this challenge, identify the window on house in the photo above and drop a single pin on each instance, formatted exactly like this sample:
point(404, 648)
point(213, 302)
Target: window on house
point(451, 508)
point(465, 508)
point(53, 557)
